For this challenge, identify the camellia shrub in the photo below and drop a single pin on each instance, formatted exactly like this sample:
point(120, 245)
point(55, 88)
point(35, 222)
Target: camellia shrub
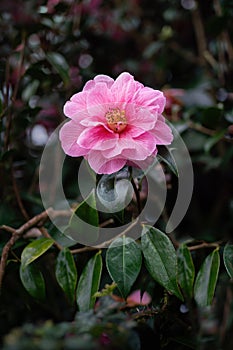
point(116, 207)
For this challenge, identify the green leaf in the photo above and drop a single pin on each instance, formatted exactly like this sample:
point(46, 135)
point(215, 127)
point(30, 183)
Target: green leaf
point(84, 222)
point(33, 281)
point(89, 282)
point(60, 64)
point(228, 259)
point(166, 156)
point(206, 280)
point(66, 273)
point(123, 261)
point(186, 270)
point(35, 249)
point(30, 90)
point(160, 259)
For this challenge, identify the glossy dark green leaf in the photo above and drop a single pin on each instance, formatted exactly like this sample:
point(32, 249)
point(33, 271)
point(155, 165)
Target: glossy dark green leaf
point(33, 280)
point(60, 64)
point(83, 225)
point(228, 259)
point(186, 270)
point(166, 156)
point(160, 259)
point(66, 273)
point(206, 279)
point(35, 249)
point(89, 282)
point(123, 261)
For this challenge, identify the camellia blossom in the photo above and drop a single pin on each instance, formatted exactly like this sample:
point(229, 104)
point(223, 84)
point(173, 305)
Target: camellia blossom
point(115, 123)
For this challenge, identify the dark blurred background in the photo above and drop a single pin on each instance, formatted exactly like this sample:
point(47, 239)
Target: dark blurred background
point(49, 49)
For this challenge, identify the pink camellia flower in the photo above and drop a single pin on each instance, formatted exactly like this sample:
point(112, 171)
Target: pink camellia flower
point(114, 123)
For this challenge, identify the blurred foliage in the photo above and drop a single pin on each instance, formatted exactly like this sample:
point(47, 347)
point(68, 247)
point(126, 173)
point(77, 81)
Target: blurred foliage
point(49, 49)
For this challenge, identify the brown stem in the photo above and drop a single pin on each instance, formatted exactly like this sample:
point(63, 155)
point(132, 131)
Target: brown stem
point(201, 128)
point(205, 245)
point(16, 234)
point(47, 235)
point(199, 32)
point(106, 243)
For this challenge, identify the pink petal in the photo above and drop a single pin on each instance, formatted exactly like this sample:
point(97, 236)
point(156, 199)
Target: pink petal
point(97, 138)
point(145, 145)
point(162, 132)
point(154, 99)
point(70, 109)
point(76, 108)
point(120, 146)
point(103, 166)
point(146, 299)
point(140, 116)
point(138, 148)
point(68, 135)
point(99, 100)
point(133, 131)
point(101, 78)
point(143, 164)
point(135, 297)
point(80, 98)
point(92, 121)
point(124, 88)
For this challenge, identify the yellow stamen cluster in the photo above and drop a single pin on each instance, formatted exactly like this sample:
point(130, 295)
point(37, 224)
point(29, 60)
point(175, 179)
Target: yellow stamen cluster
point(116, 119)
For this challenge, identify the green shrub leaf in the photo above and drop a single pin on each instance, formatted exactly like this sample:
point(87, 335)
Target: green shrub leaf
point(160, 259)
point(83, 225)
point(66, 273)
point(33, 280)
point(166, 156)
point(228, 259)
point(89, 282)
point(186, 270)
point(206, 280)
point(60, 64)
point(35, 249)
point(123, 261)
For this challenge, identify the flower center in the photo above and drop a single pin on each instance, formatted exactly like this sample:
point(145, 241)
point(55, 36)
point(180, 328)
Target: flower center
point(116, 119)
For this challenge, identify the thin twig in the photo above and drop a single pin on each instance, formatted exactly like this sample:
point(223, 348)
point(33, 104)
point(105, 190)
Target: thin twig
point(106, 243)
point(137, 194)
point(5, 253)
point(199, 32)
point(107, 222)
point(205, 245)
point(45, 233)
point(201, 128)
point(38, 221)
point(136, 190)
point(16, 234)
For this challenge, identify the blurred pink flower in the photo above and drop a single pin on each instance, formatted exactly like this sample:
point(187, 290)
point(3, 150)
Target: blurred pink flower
point(136, 298)
point(114, 123)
